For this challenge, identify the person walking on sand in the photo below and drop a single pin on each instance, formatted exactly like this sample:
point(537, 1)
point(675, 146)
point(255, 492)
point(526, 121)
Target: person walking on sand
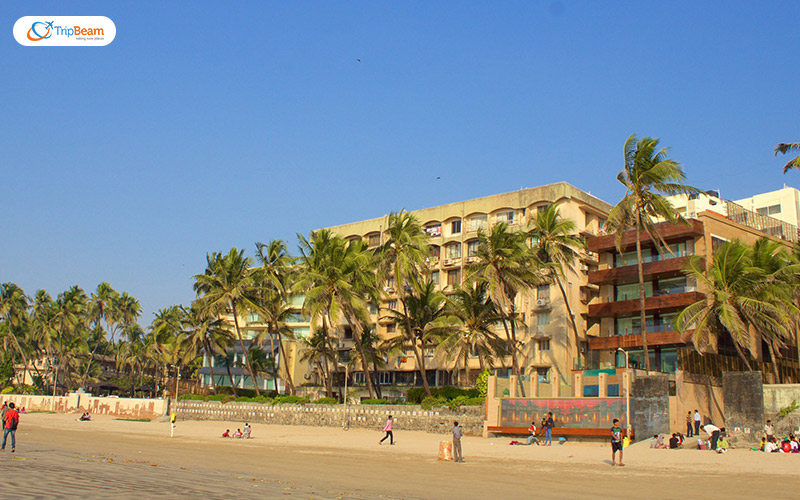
point(458, 433)
point(689, 430)
point(172, 419)
point(616, 443)
point(10, 423)
point(697, 423)
point(388, 430)
point(548, 429)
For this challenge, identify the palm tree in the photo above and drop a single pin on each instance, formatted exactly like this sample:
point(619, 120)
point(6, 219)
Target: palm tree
point(102, 308)
point(227, 284)
point(14, 313)
point(423, 322)
point(506, 265)
point(647, 175)
point(556, 247)
point(317, 351)
point(274, 281)
point(737, 301)
point(786, 147)
point(69, 330)
point(204, 332)
point(476, 315)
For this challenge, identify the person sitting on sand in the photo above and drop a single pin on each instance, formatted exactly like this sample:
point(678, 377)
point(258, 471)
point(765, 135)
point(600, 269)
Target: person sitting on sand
point(786, 446)
point(771, 446)
point(763, 444)
point(227, 433)
point(85, 417)
point(674, 442)
point(532, 438)
point(238, 434)
point(247, 431)
point(793, 442)
point(22, 410)
point(722, 445)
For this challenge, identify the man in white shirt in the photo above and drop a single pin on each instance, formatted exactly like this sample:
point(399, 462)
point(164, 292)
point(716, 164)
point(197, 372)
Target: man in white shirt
point(696, 422)
point(770, 447)
point(713, 432)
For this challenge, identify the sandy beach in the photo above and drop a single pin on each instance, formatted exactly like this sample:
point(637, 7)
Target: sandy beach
point(58, 457)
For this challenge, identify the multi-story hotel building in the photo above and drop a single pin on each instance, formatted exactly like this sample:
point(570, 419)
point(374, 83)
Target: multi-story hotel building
point(614, 316)
point(549, 348)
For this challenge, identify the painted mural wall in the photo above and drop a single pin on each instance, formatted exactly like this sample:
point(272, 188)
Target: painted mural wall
point(584, 413)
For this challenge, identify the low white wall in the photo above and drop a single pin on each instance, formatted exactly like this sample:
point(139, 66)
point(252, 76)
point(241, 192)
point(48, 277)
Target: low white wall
point(80, 402)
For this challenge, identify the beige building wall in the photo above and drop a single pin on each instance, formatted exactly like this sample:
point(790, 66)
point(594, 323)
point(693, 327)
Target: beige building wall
point(783, 204)
point(453, 227)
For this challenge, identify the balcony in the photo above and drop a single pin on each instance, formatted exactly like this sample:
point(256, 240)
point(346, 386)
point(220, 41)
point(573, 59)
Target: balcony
point(657, 338)
point(676, 298)
point(668, 231)
point(655, 266)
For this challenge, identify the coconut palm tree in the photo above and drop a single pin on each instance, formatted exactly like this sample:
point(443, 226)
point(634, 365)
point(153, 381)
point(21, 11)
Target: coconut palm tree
point(14, 313)
point(787, 147)
point(647, 175)
point(102, 308)
point(422, 323)
point(476, 316)
point(318, 353)
point(737, 302)
point(227, 284)
point(556, 247)
point(204, 332)
point(506, 265)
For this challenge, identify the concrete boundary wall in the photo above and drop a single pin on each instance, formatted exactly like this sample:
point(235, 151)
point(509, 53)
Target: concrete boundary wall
point(778, 397)
point(406, 417)
point(81, 402)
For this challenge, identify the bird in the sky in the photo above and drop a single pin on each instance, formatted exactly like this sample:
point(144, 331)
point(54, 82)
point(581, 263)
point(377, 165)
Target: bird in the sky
point(438, 178)
point(359, 60)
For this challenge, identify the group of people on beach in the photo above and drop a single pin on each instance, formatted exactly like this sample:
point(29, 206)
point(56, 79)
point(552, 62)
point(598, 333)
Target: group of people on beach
point(239, 434)
point(771, 444)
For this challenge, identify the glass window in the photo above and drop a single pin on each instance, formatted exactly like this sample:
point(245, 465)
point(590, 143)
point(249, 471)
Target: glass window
point(301, 332)
point(543, 374)
point(478, 222)
point(507, 217)
point(543, 292)
point(391, 328)
point(374, 240)
point(454, 277)
point(455, 227)
point(472, 248)
point(543, 345)
point(435, 277)
point(435, 252)
point(434, 230)
point(630, 292)
point(770, 210)
point(672, 285)
point(454, 251)
point(392, 304)
point(543, 318)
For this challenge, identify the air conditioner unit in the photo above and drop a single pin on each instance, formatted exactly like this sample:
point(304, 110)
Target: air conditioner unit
point(583, 349)
point(542, 302)
point(584, 267)
point(448, 262)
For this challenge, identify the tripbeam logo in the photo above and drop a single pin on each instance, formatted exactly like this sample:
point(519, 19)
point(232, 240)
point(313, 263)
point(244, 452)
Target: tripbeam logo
point(73, 31)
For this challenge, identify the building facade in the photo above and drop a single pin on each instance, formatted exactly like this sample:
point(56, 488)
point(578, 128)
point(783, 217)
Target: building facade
point(550, 352)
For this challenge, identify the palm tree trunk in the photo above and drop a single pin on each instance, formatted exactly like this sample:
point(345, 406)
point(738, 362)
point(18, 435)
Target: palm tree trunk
point(210, 364)
point(466, 369)
point(375, 370)
point(289, 382)
point(244, 351)
point(326, 367)
point(19, 349)
point(774, 362)
point(741, 355)
point(512, 344)
point(89, 363)
point(421, 366)
point(364, 364)
point(230, 375)
point(571, 316)
point(642, 315)
point(276, 367)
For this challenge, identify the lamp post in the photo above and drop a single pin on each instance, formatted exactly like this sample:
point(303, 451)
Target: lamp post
point(344, 396)
point(627, 394)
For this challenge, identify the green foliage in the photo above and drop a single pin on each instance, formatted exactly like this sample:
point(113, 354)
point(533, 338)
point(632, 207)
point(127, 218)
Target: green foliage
point(325, 401)
point(482, 383)
point(789, 409)
point(375, 401)
point(289, 399)
point(244, 399)
point(8, 390)
point(432, 402)
point(262, 399)
point(191, 397)
point(415, 394)
point(6, 368)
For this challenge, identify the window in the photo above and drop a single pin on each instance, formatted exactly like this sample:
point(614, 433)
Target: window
point(543, 318)
point(252, 318)
point(630, 292)
point(478, 222)
point(543, 374)
point(454, 251)
point(392, 304)
point(374, 240)
point(770, 210)
point(455, 227)
point(716, 243)
point(472, 248)
point(435, 277)
point(296, 317)
point(348, 333)
point(542, 208)
point(391, 328)
point(434, 230)
point(507, 217)
point(543, 292)
point(543, 345)
point(434, 255)
point(454, 277)
point(429, 352)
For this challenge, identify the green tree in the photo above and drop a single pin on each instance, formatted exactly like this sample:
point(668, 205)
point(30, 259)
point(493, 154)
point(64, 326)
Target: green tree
point(205, 332)
point(506, 265)
point(476, 316)
point(647, 175)
point(556, 247)
point(228, 284)
point(787, 147)
point(14, 313)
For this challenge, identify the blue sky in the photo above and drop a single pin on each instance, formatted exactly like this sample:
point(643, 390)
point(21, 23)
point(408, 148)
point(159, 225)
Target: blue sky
point(208, 125)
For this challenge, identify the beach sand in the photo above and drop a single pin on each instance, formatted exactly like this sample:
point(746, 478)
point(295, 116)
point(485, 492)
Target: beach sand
point(58, 457)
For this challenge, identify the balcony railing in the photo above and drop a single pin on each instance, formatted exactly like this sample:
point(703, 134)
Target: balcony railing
point(637, 330)
point(655, 258)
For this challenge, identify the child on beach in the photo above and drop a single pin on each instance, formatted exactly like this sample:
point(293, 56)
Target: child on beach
point(532, 438)
point(227, 433)
point(247, 431)
point(238, 434)
point(616, 443)
point(388, 430)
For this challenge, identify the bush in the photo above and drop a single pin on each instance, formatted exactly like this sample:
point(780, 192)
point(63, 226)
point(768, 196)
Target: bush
point(262, 399)
point(215, 397)
point(8, 390)
point(244, 399)
point(288, 399)
point(375, 401)
point(227, 398)
point(475, 401)
point(191, 397)
point(789, 409)
point(481, 384)
point(432, 402)
point(325, 401)
point(417, 394)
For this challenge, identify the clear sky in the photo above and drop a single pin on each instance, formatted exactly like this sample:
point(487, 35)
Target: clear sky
point(208, 125)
